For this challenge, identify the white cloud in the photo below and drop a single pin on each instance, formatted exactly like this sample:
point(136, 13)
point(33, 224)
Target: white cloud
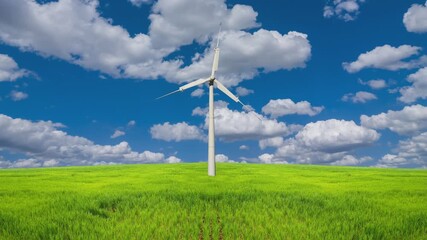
point(388, 58)
point(74, 31)
point(173, 159)
point(269, 159)
point(415, 19)
point(131, 123)
point(241, 91)
point(46, 145)
point(176, 132)
point(418, 89)
point(50, 163)
point(244, 147)
point(375, 84)
point(174, 23)
point(411, 152)
point(280, 107)
point(335, 136)
point(231, 125)
point(9, 69)
point(138, 3)
point(266, 158)
point(268, 51)
point(271, 142)
point(198, 111)
point(350, 160)
point(409, 121)
point(117, 133)
point(28, 163)
point(223, 158)
point(323, 142)
point(199, 92)
point(18, 95)
point(415, 149)
point(347, 10)
point(359, 97)
point(391, 160)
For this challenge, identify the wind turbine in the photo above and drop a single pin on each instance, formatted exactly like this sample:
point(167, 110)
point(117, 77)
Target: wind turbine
point(212, 81)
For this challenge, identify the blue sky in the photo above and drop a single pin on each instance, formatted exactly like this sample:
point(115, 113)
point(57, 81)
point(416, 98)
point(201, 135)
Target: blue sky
point(339, 82)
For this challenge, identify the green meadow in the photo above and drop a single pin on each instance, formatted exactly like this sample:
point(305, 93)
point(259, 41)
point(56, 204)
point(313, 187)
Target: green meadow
point(245, 201)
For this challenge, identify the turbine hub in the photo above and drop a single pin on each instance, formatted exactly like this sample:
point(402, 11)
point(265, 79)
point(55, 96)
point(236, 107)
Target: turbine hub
point(211, 82)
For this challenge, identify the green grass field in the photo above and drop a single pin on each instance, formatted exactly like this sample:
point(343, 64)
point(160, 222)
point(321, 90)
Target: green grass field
point(245, 201)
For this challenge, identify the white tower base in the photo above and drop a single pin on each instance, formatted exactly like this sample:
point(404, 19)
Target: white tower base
point(211, 144)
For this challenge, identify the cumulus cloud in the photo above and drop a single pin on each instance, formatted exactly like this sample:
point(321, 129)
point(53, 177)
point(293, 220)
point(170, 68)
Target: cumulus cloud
point(138, 3)
point(176, 132)
point(131, 123)
point(271, 142)
point(47, 145)
point(231, 125)
point(244, 147)
point(223, 158)
point(76, 32)
point(418, 89)
point(415, 19)
point(198, 111)
point(335, 136)
point(347, 10)
point(28, 163)
point(18, 95)
point(174, 23)
point(323, 142)
point(375, 84)
point(414, 150)
point(173, 159)
point(411, 152)
point(281, 107)
point(391, 160)
point(121, 132)
point(117, 133)
point(359, 97)
point(50, 163)
point(241, 91)
point(9, 69)
point(387, 57)
point(350, 160)
point(408, 121)
point(199, 92)
point(270, 158)
point(268, 51)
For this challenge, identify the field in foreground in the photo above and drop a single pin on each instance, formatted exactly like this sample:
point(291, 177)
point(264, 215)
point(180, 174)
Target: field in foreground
point(245, 201)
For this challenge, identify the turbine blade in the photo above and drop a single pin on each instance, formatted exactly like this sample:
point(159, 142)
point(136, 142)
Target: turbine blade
point(215, 63)
point(167, 94)
point(219, 32)
point(216, 54)
point(236, 99)
point(227, 92)
point(194, 83)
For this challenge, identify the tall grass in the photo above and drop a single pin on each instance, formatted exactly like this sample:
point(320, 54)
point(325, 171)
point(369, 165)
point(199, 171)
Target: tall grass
point(245, 201)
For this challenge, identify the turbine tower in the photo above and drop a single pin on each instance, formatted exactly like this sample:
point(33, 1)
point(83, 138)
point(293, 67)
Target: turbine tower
point(212, 81)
